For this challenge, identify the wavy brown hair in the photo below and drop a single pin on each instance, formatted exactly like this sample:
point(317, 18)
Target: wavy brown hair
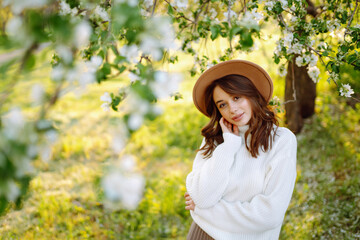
point(260, 125)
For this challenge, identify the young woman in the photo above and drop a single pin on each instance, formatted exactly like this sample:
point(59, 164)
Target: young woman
point(244, 173)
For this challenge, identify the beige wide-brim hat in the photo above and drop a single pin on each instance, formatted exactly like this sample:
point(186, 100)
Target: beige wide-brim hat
point(252, 71)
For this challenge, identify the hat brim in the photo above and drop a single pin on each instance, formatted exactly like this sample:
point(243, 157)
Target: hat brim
point(252, 71)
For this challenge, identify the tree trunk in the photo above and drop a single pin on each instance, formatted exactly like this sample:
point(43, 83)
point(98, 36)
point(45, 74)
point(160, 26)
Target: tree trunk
point(301, 104)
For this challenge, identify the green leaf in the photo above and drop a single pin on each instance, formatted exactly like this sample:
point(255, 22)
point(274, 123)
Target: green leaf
point(276, 59)
point(170, 10)
point(351, 58)
point(246, 40)
point(215, 30)
point(234, 31)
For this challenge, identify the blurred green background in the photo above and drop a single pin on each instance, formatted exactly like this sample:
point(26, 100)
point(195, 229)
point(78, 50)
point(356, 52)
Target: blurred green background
point(66, 201)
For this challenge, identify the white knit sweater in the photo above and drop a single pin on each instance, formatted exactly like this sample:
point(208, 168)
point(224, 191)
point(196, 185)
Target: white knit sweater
point(237, 196)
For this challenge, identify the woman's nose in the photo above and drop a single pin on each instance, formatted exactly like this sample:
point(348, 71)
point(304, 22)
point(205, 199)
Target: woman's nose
point(232, 107)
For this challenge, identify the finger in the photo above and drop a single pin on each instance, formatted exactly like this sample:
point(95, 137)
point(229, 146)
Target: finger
point(188, 198)
point(186, 194)
point(236, 130)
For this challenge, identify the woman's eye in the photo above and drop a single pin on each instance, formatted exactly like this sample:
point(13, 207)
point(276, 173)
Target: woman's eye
point(236, 98)
point(222, 105)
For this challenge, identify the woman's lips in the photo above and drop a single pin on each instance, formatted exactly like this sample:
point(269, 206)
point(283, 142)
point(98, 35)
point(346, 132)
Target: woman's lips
point(237, 117)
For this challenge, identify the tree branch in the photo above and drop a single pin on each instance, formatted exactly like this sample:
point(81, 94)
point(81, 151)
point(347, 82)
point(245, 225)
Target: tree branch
point(351, 18)
point(153, 10)
point(311, 9)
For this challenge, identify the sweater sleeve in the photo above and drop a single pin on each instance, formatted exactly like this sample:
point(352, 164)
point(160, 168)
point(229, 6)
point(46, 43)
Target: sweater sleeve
point(209, 177)
point(266, 210)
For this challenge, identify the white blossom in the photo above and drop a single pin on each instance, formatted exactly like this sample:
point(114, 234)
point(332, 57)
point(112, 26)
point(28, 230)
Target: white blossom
point(128, 189)
point(23, 167)
point(334, 76)
point(84, 73)
point(82, 34)
point(165, 84)
point(133, 77)
point(294, 19)
point(128, 163)
point(278, 48)
point(15, 29)
point(306, 58)
point(213, 13)
point(338, 33)
point(119, 138)
point(101, 12)
point(65, 9)
point(106, 97)
point(17, 6)
point(135, 121)
point(45, 152)
point(57, 73)
point(135, 104)
point(284, 3)
point(270, 4)
point(276, 99)
point(299, 61)
point(65, 53)
point(51, 136)
point(151, 46)
point(94, 63)
point(13, 123)
point(148, 3)
point(288, 38)
point(346, 90)
point(257, 15)
point(295, 48)
point(231, 14)
point(180, 4)
point(11, 190)
point(37, 93)
point(313, 60)
point(105, 107)
point(131, 53)
point(282, 70)
point(333, 25)
point(249, 20)
point(314, 73)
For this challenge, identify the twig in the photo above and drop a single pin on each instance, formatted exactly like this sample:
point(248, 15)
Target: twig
point(17, 73)
point(351, 18)
point(229, 22)
point(144, 57)
point(281, 18)
point(153, 10)
point(52, 101)
point(355, 99)
point(321, 58)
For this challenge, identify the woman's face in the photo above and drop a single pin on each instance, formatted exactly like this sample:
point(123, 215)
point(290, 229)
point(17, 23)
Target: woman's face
point(235, 109)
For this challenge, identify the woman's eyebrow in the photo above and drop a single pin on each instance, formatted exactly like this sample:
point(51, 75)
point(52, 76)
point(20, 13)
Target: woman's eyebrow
point(219, 101)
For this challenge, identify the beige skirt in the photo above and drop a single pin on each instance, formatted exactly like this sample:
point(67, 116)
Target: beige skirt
point(196, 233)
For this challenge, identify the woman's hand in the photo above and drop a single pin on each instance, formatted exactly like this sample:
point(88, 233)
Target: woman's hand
point(228, 127)
point(190, 205)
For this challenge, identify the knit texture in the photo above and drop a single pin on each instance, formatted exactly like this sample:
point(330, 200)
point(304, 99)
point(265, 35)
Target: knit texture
point(237, 196)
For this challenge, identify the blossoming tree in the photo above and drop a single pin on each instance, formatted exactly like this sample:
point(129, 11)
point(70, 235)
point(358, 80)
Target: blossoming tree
point(91, 41)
